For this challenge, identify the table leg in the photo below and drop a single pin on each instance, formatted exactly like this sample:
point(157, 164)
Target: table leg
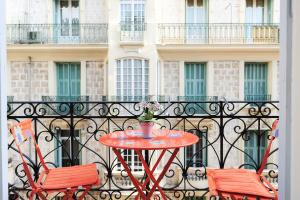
point(150, 173)
point(152, 170)
point(173, 156)
point(127, 169)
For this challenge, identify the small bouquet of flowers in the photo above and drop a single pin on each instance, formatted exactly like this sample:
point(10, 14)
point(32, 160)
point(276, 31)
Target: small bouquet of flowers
point(147, 119)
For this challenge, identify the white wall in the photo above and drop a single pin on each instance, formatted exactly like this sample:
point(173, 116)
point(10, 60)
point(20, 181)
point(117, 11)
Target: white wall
point(95, 11)
point(3, 108)
point(42, 11)
point(26, 11)
point(295, 103)
point(170, 11)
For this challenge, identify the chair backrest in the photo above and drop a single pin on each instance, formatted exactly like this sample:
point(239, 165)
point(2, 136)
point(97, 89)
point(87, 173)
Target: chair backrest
point(275, 133)
point(22, 132)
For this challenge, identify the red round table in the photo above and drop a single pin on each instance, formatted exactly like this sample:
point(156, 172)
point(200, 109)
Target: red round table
point(161, 140)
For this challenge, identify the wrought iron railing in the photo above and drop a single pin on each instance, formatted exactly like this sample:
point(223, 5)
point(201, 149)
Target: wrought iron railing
point(226, 126)
point(218, 33)
point(60, 106)
point(56, 33)
point(132, 31)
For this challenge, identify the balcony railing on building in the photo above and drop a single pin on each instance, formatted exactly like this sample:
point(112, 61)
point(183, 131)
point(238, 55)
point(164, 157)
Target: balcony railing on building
point(230, 133)
point(264, 97)
point(221, 33)
point(56, 33)
point(60, 104)
point(132, 31)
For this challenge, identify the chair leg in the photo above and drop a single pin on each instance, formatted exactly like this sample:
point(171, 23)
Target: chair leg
point(41, 195)
point(31, 195)
point(37, 194)
point(65, 197)
point(68, 195)
point(84, 193)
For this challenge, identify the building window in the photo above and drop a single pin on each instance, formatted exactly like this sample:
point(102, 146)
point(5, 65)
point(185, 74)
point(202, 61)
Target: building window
point(195, 87)
point(256, 82)
point(67, 15)
point(132, 79)
point(196, 155)
point(64, 148)
point(196, 11)
point(259, 11)
point(68, 81)
point(255, 146)
point(196, 21)
point(132, 160)
point(132, 15)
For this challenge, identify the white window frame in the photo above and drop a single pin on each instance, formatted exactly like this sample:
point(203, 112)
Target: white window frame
point(133, 24)
point(72, 29)
point(196, 12)
point(123, 89)
point(135, 6)
point(135, 163)
point(265, 12)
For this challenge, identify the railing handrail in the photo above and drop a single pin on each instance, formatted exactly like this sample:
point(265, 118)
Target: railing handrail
point(241, 23)
point(219, 33)
point(58, 24)
point(133, 102)
point(57, 33)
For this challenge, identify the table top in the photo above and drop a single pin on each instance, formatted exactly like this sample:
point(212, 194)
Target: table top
point(161, 139)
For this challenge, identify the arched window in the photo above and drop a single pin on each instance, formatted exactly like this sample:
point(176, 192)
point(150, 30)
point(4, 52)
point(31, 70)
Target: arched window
point(132, 79)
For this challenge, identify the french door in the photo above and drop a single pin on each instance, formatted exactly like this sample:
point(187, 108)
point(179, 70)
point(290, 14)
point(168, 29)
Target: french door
point(257, 14)
point(67, 18)
point(133, 19)
point(196, 21)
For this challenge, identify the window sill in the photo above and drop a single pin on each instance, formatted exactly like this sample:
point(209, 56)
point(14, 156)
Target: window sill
point(131, 44)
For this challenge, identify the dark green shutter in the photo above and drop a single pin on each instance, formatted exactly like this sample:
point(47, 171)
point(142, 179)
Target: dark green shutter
point(196, 155)
point(252, 147)
point(195, 80)
point(249, 149)
point(256, 81)
point(270, 11)
point(195, 86)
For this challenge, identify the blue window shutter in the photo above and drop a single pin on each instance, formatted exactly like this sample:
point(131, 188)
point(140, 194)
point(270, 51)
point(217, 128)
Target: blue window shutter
point(252, 147)
point(256, 81)
point(195, 80)
point(62, 79)
point(68, 79)
point(196, 155)
point(270, 11)
point(75, 79)
point(195, 87)
point(250, 150)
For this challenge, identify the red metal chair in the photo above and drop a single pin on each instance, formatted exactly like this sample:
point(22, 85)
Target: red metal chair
point(66, 180)
point(239, 183)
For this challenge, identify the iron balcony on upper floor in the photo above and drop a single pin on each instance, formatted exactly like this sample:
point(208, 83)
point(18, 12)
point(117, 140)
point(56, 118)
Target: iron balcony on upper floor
point(218, 33)
point(134, 32)
point(56, 33)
